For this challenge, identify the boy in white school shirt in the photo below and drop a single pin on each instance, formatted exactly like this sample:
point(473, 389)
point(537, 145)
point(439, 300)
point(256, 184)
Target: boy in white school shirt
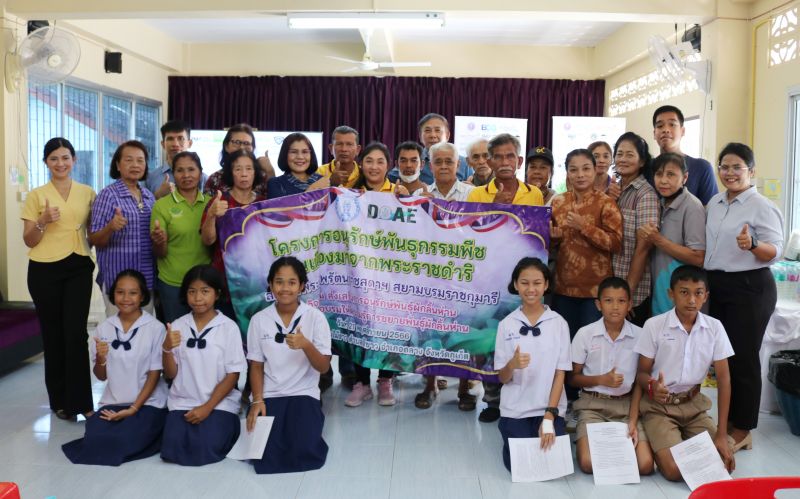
point(604, 368)
point(675, 350)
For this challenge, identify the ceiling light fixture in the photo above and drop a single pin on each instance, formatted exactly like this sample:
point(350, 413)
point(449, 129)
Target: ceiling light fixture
point(366, 20)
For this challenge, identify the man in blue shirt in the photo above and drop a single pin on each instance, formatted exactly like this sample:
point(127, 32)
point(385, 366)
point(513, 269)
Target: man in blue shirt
point(434, 128)
point(175, 138)
point(668, 131)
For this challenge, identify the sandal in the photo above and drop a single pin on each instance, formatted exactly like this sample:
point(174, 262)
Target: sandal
point(467, 402)
point(424, 400)
point(441, 383)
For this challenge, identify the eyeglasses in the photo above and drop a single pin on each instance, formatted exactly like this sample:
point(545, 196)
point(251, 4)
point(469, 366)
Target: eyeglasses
point(280, 335)
point(737, 169)
point(241, 143)
point(526, 328)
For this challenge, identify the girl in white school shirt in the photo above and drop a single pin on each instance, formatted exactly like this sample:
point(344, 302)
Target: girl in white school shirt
point(126, 351)
point(203, 356)
point(533, 346)
point(289, 346)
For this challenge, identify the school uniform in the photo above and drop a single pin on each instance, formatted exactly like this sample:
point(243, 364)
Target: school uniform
point(525, 396)
point(683, 358)
point(132, 355)
point(598, 353)
point(291, 389)
point(204, 358)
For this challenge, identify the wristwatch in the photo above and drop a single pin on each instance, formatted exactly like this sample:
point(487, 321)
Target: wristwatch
point(754, 243)
point(552, 410)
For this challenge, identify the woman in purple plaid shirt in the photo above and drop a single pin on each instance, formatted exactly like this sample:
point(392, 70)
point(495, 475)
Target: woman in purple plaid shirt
point(120, 226)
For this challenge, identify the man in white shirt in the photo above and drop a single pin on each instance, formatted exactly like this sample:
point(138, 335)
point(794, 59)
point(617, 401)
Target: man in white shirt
point(444, 163)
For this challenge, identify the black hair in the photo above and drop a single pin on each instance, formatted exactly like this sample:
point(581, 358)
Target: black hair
point(227, 168)
point(576, 153)
point(600, 143)
point(408, 145)
point(664, 159)
point(641, 149)
point(239, 127)
point(741, 150)
point(613, 283)
point(525, 263)
point(57, 143)
point(361, 183)
point(344, 130)
point(175, 126)
point(114, 168)
point(288, 261)
point(133, 274)
point(187, 154)
point(667, 109)
point(202, 273)
point(432, 116)
point(688, 273)
point(283, 156)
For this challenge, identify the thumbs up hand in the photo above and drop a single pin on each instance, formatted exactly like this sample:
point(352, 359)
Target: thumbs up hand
point(118, 221)
point(612, 379)
point(158, 235)
point(50, 214)
point(218, 206)
point(102, 350)
point(173, 338)
point(503, 196)
point(744, 239)
point(659, 389)
point(520, 360)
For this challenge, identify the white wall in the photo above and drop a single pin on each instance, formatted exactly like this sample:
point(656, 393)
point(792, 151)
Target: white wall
point(448, 59)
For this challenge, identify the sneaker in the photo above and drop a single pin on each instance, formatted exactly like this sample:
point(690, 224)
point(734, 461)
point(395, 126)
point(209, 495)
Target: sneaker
point(489, 415)
point(385, 395)
point(360, 393)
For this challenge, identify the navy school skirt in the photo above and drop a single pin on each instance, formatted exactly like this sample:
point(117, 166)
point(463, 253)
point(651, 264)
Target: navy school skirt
point(524, 428)
point(199, 444)
point(295, 442)
point(111, 443)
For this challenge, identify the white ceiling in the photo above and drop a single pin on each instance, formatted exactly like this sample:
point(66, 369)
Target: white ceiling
point(518, 28)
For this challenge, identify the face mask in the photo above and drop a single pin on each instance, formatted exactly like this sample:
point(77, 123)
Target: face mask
point(410, 178)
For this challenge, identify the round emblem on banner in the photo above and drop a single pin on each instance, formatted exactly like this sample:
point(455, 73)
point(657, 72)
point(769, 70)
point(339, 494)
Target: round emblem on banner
point(347, 208)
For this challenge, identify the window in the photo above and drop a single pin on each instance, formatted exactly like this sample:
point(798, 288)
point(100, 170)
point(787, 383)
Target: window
point(116, 127)
point(783, 37)
point(793, 177)
point(84, 116)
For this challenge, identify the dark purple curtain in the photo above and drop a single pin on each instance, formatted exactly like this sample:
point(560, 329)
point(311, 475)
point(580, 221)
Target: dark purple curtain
point(380, 108)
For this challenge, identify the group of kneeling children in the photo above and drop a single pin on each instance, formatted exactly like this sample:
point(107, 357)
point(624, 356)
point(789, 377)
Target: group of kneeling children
point(648, 377)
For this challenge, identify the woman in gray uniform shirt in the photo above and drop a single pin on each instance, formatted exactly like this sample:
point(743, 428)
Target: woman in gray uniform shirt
point(744, 235)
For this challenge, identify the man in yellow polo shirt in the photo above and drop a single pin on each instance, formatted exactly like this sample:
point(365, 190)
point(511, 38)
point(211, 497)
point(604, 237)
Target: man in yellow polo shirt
point(505, 158)
point(344, 146)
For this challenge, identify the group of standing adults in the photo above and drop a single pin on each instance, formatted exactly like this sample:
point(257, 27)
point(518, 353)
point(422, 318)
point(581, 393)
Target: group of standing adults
point(637, 226)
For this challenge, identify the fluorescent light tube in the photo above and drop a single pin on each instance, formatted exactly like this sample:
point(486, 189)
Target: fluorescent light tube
point(366, 20)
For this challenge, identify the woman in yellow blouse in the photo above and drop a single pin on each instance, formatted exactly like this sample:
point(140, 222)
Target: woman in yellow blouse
point(55, 217)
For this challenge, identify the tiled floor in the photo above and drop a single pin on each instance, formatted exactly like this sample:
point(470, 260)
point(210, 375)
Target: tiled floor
point(375, 452)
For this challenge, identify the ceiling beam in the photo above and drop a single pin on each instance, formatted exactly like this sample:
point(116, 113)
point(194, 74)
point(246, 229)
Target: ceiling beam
point(608, 10)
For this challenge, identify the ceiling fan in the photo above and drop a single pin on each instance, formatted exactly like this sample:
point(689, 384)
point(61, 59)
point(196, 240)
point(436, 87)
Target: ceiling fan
point(367, 64)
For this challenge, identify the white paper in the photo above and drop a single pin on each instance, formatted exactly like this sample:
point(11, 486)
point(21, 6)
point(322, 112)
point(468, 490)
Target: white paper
point(613, 454)
point(529, 463)
point(251, 445)
point(699, 461)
